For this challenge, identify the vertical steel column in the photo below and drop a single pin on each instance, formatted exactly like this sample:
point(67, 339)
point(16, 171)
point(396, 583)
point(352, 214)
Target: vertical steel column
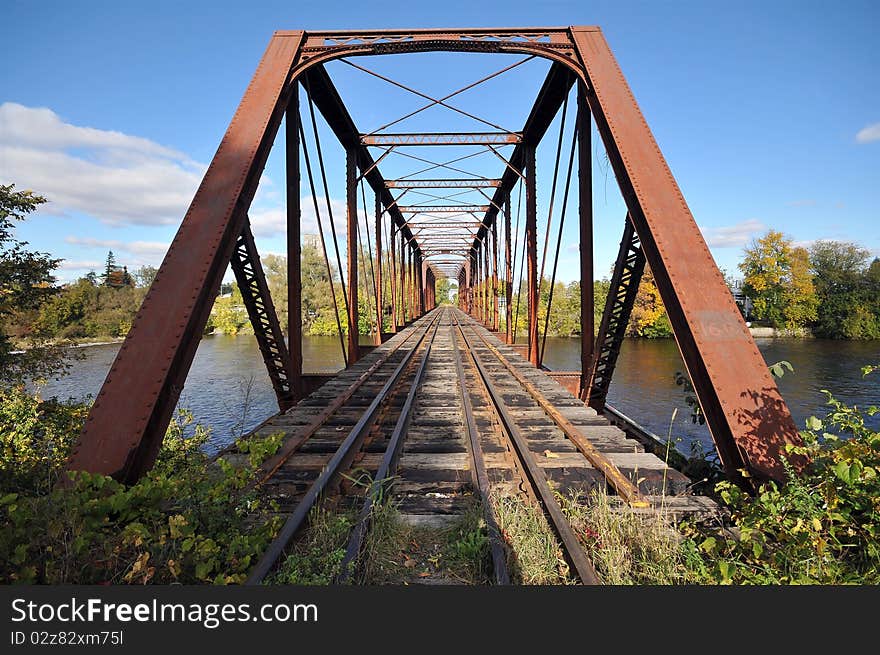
point(487, 284)
point(392, 252)
point(294, 280)
point(423, 283)
point(508, 273)
point(585, 212)
point(379, 294)
point(532, 253)
point(495, 274)
point(417, 282)
point(401, 291)
point(407, 293)
point(352, 252)
point(478, 284)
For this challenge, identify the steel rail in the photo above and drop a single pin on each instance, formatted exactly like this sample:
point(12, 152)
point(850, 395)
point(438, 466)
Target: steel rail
point(479, 473)
point(622, 485)
point(575, 553)
point(271, 465)
point(386, 469)
point(301, 513)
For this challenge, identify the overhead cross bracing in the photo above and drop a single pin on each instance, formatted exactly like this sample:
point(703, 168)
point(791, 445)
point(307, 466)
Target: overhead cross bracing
point(389, 255)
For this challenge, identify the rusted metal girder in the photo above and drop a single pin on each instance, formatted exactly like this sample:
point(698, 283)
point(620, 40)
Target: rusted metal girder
point(443, 209)
point(261, 311)
point(619, 303)
point(531, 236)
point(746, 414)
point(458, 183)
point(380, 299)
point(330, 104)
point(351, 254)
point(128, 419)
point(442, 139)
point(508, 275)
point(585, 219)
point(294, 278)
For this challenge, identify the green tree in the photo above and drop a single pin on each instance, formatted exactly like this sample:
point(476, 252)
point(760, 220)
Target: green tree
point(145, 275)
point(109, 268)
point(26, 283)
point(649, 318)
point(848, 291)
point(777, 279)
point(442, 289)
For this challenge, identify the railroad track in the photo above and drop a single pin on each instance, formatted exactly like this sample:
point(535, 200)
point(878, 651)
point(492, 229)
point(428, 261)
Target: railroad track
point(398, 370)
point(446, 413)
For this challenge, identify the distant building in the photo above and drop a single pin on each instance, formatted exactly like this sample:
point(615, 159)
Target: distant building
point(311, 240)
point(742, 300)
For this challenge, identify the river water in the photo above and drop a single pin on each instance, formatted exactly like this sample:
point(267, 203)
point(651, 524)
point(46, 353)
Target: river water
point(228, 389)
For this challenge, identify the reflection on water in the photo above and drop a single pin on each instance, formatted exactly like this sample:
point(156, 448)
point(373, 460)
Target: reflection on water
point(643, 386)
point(228, 389)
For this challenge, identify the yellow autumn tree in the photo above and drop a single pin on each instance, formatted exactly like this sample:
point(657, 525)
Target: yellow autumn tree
point(649, 317)
point(777, 279)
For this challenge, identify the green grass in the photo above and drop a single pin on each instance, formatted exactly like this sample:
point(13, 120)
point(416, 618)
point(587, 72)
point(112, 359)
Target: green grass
point(316, 557)
point(625, 547)
point(534, 556)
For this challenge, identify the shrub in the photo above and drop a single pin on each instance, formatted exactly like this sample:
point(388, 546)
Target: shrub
point(821, 527)
point(188, 520)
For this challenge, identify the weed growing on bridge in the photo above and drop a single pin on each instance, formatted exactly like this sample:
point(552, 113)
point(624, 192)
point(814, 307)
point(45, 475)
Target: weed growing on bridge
point(534, 556)
point(315, 558)
point(396, 552)
point(187, 520)
point(626, 548)
point(821, 527)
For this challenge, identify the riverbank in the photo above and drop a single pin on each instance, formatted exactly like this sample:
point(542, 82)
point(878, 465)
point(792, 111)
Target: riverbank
point(72, 343)
point(780, 333)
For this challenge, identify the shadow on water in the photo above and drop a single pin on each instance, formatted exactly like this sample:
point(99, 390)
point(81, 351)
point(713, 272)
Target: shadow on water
point(228, 389)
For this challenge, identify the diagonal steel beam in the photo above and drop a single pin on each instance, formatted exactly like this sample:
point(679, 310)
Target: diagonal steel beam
point(332, 108)
point(128, 419)
point(251, 281)
point(748, 418)
point(555, 88)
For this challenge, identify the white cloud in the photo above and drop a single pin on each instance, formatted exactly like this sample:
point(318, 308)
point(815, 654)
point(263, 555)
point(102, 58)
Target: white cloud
point(270, 222)
point(114, 177)
point(802, 203)
point(732, 236)
point(869, 133)
point(80, 265)
point(142, 253)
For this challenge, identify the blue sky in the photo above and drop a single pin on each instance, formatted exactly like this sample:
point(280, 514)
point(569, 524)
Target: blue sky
point(767, 112)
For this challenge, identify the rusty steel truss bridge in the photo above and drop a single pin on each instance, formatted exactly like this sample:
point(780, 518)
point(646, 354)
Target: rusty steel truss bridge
point(440, 221)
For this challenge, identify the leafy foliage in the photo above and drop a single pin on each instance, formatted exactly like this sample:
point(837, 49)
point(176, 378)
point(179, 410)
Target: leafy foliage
point(649, 318)
point(848, 291)
point(821, 527)
point(777, 279)
point(26, 283)
point(86, 309)
point(188, 520)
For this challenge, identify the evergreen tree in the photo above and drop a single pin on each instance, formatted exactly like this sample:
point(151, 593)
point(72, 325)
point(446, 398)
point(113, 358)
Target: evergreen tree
point(109, 267)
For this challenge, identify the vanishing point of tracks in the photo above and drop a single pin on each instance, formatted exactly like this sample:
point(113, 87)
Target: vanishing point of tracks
point(439, 407)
